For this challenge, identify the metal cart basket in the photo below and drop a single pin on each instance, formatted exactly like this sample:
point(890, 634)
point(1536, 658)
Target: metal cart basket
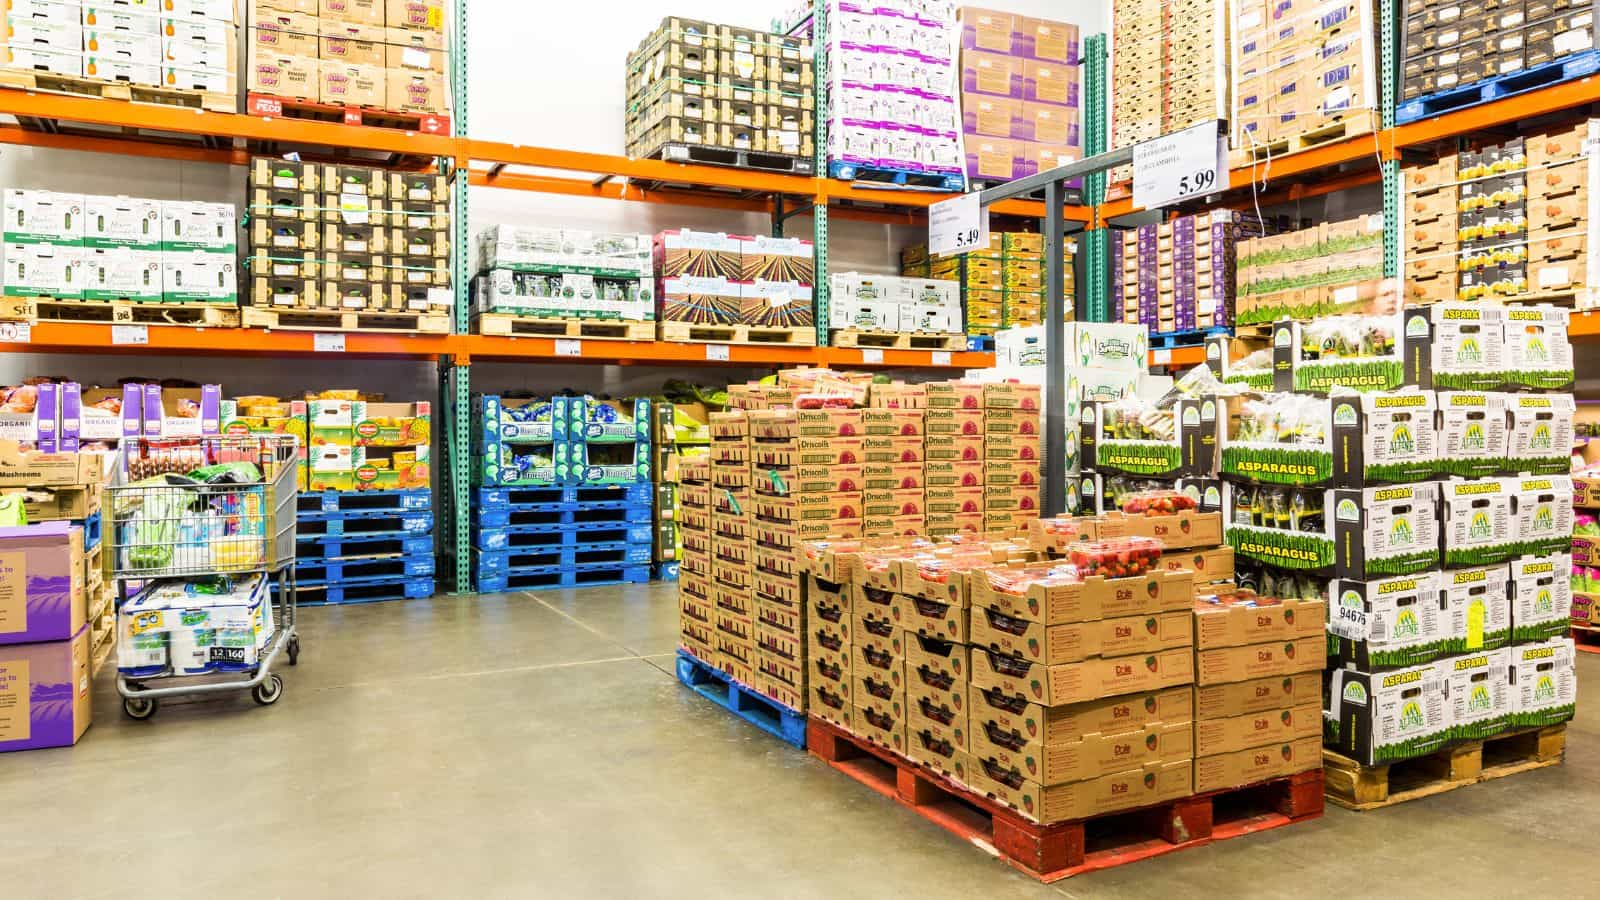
point(231, 525)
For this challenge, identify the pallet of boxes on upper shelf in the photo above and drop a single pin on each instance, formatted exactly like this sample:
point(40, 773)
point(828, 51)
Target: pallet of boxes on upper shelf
point(347, 248)
point(119, 260)
point(1179, 278)
point(1169, 70)
point(887, 312)
point(1002, 285)
point(735, 289)
point(380, 63)
point(183, 53)
point(1411, 470)
point(1511, 221)
point(699, 92)
point(564, 283)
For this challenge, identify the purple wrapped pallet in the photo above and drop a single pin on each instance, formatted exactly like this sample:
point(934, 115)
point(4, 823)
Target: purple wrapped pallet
point(1224, 260)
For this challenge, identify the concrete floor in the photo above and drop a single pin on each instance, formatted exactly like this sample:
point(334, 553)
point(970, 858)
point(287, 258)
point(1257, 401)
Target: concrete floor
point(539, 746)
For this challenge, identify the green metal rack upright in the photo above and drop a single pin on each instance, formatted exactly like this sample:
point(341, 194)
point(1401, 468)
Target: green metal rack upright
point(456, 374)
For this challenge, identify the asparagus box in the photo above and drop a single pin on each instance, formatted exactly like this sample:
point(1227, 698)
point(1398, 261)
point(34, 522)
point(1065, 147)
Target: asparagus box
point(1132, 439)
point(1474, 433)
point(1455, 346)
point(1379, 717)
point(1541, 433)
point(1344, 441)
point(1387, 623)
point(1544, 683)
point(1538, 351)
point(1477, 687)
point(1477, 607)
point(1373, 532)
point(1540, 594)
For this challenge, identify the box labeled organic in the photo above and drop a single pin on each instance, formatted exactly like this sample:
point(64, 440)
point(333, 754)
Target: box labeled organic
point(1377, 717)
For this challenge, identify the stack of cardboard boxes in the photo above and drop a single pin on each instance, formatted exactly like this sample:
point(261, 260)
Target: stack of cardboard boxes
point(1308, 72)
point(697, 611)
point(354, 53)
point(1258, 712)
point(186, 46)
point(1168, 68)
point(1449, 45)
point(710, 278)
point(698, 84)
point(1330, 269)
point(71, 246)
point(1179, 276)
point(1002, 285)
point(885, 303)
point(1019, 94)
point(347, 238)
point(564, 273)
point(732, 581)
point(1508, 220)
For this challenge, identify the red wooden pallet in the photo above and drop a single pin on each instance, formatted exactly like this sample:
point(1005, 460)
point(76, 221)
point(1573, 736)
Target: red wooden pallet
point(1586, 638)
point(293, 108)
point(1053, 852)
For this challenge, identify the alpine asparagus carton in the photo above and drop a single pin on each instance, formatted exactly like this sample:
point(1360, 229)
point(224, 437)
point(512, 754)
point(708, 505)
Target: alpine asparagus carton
point(1343, 441)
point(1379, 717)
point(1544, 683)
point(1372, 532)
point(1541, 597)
point(1492, 520)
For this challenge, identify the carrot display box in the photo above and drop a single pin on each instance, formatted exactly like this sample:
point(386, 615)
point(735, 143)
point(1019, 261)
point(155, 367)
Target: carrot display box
point(1251, 661)
point(1059, 644)
point(1038, 595)
point(1091, 679)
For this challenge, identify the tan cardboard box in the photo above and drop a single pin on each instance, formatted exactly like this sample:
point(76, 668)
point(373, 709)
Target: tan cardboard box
point(30, 468)
point(826, 702)
point(930, 618)
point(939, 524)
point(1060, 644)
point(1079, 682)
point(875, 504)
point(1011, 473)
point(351, 85)
point(415, 59)
point(954, 500)
point(1012, 446)
point(1213, 565)
point(905, 526)
point(1092, 598)
point(1013, 722)
point(968, 422)
point(1273, 726)
point(952, 472)
point(1214, 773)
point(953, 448)
point(954, 394)
point(892, 477)
point(885, 449)
point(1221, 701)
point(413, 91)
point(871, 654)
point(293, 77)
point(351, 51)
point(1225, 624)
point(882, 723)
point(934, 750)
point(892, 422)
point(1252, 661)
point(871, 685)
point(1092, 756)
point(1059, 803)
point(284, 33)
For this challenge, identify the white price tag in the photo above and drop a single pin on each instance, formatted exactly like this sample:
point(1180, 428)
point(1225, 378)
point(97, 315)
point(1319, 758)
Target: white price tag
point(130, 334)
point(872, 357)
point(16, 332)
point(569, 347)
point(327, 343)
point(941, 357)
point(717, 352)
point(438, 296)
point(1178, 166)
point(957, 226)
point(1160, 357)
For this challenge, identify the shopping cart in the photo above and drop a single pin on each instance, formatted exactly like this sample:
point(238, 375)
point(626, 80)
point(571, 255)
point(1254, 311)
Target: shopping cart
point(221, 509)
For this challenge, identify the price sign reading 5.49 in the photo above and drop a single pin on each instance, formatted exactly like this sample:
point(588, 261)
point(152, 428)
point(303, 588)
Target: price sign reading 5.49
point(957, 226)
point(1178, 166)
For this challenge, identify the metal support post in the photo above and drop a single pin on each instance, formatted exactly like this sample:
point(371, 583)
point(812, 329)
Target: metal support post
point(820, 293)
point(1055, 359)
point(457, 374)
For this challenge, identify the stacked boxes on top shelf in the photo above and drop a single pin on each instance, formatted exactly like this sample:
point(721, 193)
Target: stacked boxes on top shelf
point(1509, 221)
point(1002, 285)
point(556, 275)
point(328, 244)
point(189, 48)
point(76, 247)
point(722, 94)
point(1168, 67)
point(1179, 276)
point(1330, 269)
point(1020, 102)
point(731, 285)
point(386, 55)
point(563, 496)
point(1302, 76)
point(887, 67)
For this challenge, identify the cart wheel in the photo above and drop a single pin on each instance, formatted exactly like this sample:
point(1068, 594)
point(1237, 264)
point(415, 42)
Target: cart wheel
point(294, 651)
point(139, 708)
point(267, 692)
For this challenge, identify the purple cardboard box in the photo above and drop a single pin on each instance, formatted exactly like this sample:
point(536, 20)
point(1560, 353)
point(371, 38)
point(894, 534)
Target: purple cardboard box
point(49, 418)
point(41, 583)
point(44, 693)
point(71, 417)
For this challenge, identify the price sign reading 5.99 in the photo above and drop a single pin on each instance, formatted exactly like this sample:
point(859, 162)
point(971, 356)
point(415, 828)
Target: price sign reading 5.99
point(1179, 166)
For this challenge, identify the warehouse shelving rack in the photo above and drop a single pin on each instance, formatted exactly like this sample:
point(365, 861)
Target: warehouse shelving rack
point(120, 127)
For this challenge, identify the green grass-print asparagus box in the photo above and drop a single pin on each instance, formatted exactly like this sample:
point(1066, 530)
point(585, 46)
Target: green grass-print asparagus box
point(1465, 347)
point(1540, 593)
point(1378, 717)
point(1474, 434)
point(1478, 522)
point(1543, 507)
point(1136, 437)
point(1349, 533)
point(1345, 441)
point(1386, 623)
point(1478, 689)
point(1541, 434)
point(1538, 351)
point(1544, 683)
point(1479, 610)
point(1359, 352)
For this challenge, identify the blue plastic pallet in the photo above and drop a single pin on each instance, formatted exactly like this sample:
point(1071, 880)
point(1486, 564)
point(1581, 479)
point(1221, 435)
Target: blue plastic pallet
point(91, 531)
point(358, 547)
point(763, 712)
point(598, 514)
point(537, 577)
point(615, 554)
point(334, 595)
point(339, 525)
point(533, 536)
point(667, 571)
point(511, 498)
point(849, 171)
point(1567, 68)
point(982, 343)
point(365, 571)
point(1167, 340)
point(419, 500)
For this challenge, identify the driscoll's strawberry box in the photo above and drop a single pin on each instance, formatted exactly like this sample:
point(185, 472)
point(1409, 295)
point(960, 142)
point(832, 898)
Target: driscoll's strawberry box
point(952, 472)
point(954, 395)
point(954, 500)
point(967, 422)
point(44, 693)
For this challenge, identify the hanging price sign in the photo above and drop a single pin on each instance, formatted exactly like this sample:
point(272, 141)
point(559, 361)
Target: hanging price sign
point(1179, 166)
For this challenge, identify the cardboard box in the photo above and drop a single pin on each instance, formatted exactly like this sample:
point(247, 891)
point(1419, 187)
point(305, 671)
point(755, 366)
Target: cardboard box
point(44, 693)
point(409, 90)
point(1230, 623)
point(296, 77)
point(934, 744)
point(1078, 682)
point(32, 468)
point(1253, 661)
point(1014, 722)
point(1058, 644)
point(1272, 726)
point(1087, 600)
point(1092, 756)
point(1243, 767)
point(41, 583)
point(1126, 790)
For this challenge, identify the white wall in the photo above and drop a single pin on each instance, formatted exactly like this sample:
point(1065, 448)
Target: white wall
point(541, 73)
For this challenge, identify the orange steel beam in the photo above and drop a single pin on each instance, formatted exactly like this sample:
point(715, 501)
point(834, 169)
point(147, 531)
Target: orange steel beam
point(15, 135)
point(640, 169)
point(480, 347)
point(76, 337)
point(181, 120)
point(1506, 111)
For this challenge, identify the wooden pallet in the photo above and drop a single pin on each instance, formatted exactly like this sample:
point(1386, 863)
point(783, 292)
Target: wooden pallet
point(50, 83)
point(1348, 125)
point(1360, 787)
point(120, 312)
point(504, 325)
point(888, 340)
point(686, 332)
point(758, 160)
point(394, 321)
point(1053, 852)
point(311, 110)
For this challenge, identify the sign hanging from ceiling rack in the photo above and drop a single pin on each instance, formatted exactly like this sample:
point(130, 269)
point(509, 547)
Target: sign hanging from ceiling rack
point(1180, 166)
